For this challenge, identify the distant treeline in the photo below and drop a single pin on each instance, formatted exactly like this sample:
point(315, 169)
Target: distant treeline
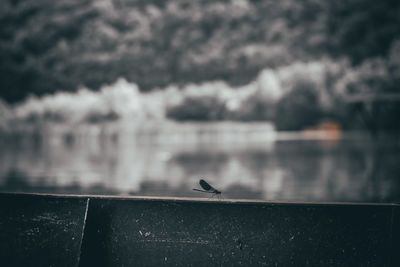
point(295, 97)
point(48, 46)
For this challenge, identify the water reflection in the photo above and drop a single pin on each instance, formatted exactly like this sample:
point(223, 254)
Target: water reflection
point(98, 161)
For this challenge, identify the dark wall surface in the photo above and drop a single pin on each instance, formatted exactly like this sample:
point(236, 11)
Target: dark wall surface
point(123, 232)
point(41, 231)
point(37, 230)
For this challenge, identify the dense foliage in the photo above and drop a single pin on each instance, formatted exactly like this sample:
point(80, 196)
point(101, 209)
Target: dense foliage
point(48, 46)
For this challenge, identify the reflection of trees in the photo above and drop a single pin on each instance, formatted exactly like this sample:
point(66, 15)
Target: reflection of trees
point(381, 174)
point(353, 170)
point(378, 114)
point(14, 180)
point(162, 188)
point(243, 192)
point(261, 165)
point(256, 161)
point(200, 162)
point(301, 158)
point(371, 174)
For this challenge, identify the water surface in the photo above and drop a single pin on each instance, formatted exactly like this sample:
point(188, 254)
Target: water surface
point(242, 162)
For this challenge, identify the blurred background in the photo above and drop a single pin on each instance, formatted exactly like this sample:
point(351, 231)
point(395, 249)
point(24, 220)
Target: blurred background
point(275, 100)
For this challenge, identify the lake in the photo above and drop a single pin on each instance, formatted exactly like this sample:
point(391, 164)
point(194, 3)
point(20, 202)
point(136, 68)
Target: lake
point(243, 160)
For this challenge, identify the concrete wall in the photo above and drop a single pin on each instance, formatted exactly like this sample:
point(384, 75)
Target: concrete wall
point(41, 231)
point(193, 232)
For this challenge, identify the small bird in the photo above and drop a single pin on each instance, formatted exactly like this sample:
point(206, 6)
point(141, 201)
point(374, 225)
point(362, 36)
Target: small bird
point(207, 188)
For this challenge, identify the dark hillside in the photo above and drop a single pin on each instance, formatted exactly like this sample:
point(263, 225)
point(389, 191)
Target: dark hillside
point(47, 46)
